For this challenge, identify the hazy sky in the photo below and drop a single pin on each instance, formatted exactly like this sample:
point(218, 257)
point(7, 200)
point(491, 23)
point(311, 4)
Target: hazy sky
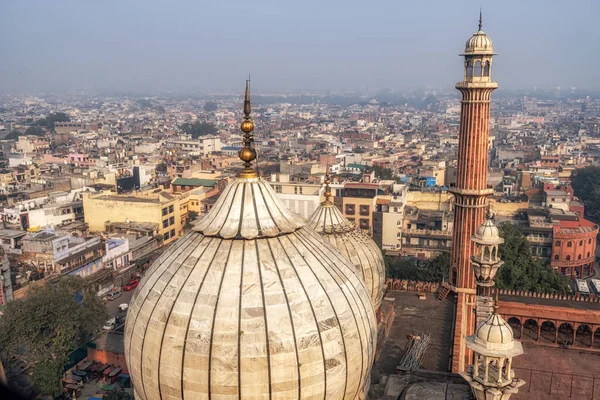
point(291, 45)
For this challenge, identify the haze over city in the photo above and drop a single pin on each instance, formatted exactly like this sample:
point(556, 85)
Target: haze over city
point(290, 46)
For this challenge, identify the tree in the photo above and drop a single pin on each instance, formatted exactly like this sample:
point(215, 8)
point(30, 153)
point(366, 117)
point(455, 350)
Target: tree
point(46, 377)
point(198, 129)
point(586, 184)
point(51, 118)
point(118, 395)
point(193, 215)
point(162, 168)
point(52, 321)
point(210, 106)
point(434, 270)
point(521, 271)
point(383, 173)
point(35, 131)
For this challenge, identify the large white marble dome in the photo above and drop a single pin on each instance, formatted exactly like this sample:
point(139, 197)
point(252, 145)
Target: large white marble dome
point(250, 304)
point(354, 244)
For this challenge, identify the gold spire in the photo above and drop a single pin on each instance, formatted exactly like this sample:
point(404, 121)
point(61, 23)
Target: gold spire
point(247, 154)
point(327, 192)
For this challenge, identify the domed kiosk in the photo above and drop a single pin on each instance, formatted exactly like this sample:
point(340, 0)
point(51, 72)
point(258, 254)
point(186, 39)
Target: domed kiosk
point(355, 245)
point(250, 304)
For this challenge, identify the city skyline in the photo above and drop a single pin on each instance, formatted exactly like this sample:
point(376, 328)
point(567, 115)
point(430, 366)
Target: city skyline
point(289, 48)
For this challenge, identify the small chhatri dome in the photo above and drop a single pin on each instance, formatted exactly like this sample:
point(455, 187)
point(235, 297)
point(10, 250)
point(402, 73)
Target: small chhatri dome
point(354, 244)
point(488, 233)
point(495, 334)
point(250, 304)
point(479, 43)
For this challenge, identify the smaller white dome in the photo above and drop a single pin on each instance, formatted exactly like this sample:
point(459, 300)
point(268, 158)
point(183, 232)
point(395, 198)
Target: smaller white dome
point(479, 43)
point(495, 334)
point(487, 233)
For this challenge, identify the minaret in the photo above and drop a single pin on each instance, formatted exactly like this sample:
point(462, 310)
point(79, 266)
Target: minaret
point(471, 189)
point(485, 263)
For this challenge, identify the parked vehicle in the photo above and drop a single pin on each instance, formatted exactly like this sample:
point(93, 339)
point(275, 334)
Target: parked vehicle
point(123, 307)
point(109, 325)
point(114, 294)
point(132, 284)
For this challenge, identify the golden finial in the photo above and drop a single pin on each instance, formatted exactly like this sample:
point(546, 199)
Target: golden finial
point(480, 20)
point(327, 193)
point(247, 154)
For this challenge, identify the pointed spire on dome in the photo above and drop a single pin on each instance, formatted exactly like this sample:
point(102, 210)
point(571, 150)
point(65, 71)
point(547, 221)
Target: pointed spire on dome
point(247, 154)
point(480, 20)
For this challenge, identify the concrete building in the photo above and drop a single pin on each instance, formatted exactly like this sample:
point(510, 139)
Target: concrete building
point(155, 206)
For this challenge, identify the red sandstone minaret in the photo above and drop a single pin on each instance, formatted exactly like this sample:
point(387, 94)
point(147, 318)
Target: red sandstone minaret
point(471, 185)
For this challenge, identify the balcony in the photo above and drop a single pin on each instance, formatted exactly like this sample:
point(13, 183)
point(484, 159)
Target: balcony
point(427, 233)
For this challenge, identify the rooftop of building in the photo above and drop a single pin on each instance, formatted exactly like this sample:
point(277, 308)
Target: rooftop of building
point(194, 182)
point(11, 234)
point(111, 341)
point(129, 199)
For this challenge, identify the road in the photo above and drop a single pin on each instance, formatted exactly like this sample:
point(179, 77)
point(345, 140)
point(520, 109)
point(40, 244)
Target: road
point(113, 306)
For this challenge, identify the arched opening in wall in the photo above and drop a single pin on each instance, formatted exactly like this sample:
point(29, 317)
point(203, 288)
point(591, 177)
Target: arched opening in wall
point(477, 68)
point(515, 324)
point(530, 330)
point(568, 258)
point(579, 256)
point(581, 242)
point(548, 331)
point(557, 243)
point(486, 69)
point(494, 253)
point(556, 257)
point(569, 244)
point(590, 241)
point(596, 339)
point(469, 69)
point(565, 333)
point(583, 336)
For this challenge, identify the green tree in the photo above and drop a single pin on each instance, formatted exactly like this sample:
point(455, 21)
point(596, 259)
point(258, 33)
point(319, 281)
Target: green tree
point(434, 270)
point(35, 131)
point(162, 168)
point(46, 376)
point(193, 215)
point(198, 129)
point(383, 173)
point(52, 321)
point(586, 184)
point(51, 118)
point(521, 271)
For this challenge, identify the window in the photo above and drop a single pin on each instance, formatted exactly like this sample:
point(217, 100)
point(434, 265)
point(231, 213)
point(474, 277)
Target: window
point(295, 189)
point(300, 189)
point(277, 188)
point(568, 258)
point(590, 240)
point(477, 68)
point(581, 242)
point(171, 209)
point(171, 220)
point(364, 210)
point(588, 254)
point(350, 209)
point(557, 243)
point(364, 223)
point(556, 257)
point(165, 211)
point(569, 244)
point(486, 69)
point(172, 232)
point(165, 223)
point(579, 257)
point(166, 236)
point(469, 69)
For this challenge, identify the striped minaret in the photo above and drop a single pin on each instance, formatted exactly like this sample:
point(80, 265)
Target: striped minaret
point(471, 189)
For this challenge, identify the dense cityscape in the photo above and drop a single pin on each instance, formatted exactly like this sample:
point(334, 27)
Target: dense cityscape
point(385, 244)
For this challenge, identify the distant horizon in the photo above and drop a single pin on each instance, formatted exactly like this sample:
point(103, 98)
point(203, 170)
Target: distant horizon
point(156, 46)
